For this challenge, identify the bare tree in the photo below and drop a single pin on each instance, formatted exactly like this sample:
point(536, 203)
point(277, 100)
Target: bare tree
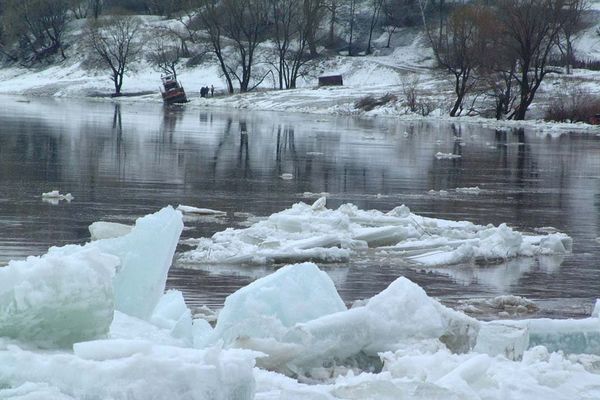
point(460, 49)
point(113, 43)
point(314, 11)
point(376, 6)
point(289, 29)
point(351, 25)
point(165, 52)
point(574, 23)
point(530, 30)
point(37, 25)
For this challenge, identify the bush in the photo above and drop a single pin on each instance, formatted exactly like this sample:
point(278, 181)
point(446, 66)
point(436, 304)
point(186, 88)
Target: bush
point(573, 106)
point(368, 103)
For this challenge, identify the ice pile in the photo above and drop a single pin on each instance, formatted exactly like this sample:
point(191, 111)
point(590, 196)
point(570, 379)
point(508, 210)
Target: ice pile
point(314, 232)
point(295, 317)
point(56, 195)
point(66, 300)
point(70, 293)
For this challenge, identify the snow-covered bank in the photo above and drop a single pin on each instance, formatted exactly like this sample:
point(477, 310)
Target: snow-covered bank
point(400, 343)
point(314, 232)
point(386, 71)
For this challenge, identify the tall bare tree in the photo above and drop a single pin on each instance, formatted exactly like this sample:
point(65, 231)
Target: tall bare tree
point(530, 30)
point(37, 25)
point(376, 6)
point(289, 29)
point(461, 48)
point(113, 41)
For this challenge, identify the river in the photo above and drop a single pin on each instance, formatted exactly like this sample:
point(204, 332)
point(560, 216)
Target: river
point(122, 161)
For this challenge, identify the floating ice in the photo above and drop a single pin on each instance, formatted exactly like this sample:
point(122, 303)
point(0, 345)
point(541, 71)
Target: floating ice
point(446, 156)
point(56, 195)
point(200, 211)
point(107, 230)
point(269, 306)
point(145, 255)
point(57, 300)
point(287, 318)
point(314, 232)
point(469, 190)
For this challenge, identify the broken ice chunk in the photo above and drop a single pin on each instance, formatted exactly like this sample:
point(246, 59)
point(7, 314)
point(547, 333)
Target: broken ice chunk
point(270, 305)
point(56, 300)
point(496, 338)
point(107, 230)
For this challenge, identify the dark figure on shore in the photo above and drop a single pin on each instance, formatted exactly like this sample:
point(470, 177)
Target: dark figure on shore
point(212, 91)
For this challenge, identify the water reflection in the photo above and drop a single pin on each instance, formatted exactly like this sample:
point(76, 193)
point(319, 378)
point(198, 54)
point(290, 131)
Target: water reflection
point(122, 161)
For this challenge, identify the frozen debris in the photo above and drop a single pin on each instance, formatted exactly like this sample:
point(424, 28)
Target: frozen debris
point(286, 176)
point(55, 301)
point(54, 197)
point(446, 156)
point(313, 195)
point(200, 211)
point(132, 369)
point(315, 233)
point(469, 190)
point(107, 230)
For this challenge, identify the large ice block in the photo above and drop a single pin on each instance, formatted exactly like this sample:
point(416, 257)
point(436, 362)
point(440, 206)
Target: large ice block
point(496, 338)
point(269, 306)
point(56, 300)
point(146, 254)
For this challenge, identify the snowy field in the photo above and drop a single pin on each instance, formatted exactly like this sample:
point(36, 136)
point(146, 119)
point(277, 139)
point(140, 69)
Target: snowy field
point(93, 321)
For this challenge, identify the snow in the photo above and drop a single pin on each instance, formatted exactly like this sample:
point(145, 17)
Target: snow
point(54, 197)
point(314, 232)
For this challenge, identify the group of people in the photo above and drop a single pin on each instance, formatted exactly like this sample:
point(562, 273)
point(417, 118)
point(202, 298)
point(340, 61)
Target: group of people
point(205, 90)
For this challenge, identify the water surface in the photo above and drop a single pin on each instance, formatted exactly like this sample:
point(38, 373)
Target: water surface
point(124, 161)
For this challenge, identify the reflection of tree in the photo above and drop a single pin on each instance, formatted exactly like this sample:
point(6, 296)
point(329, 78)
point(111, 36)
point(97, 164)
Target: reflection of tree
point(286, 146)
point(171, 116)
point(243, 154)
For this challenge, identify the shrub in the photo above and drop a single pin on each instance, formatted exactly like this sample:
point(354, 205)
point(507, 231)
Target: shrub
point(573, 106)
point(368, 103)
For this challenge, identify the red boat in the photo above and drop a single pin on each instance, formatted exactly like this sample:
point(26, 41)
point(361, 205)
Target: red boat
point(172, 92)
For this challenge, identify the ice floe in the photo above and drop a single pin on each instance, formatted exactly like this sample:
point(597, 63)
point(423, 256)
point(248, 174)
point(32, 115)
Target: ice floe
point(107, 230)
point(56, 195)
point(316, 233)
